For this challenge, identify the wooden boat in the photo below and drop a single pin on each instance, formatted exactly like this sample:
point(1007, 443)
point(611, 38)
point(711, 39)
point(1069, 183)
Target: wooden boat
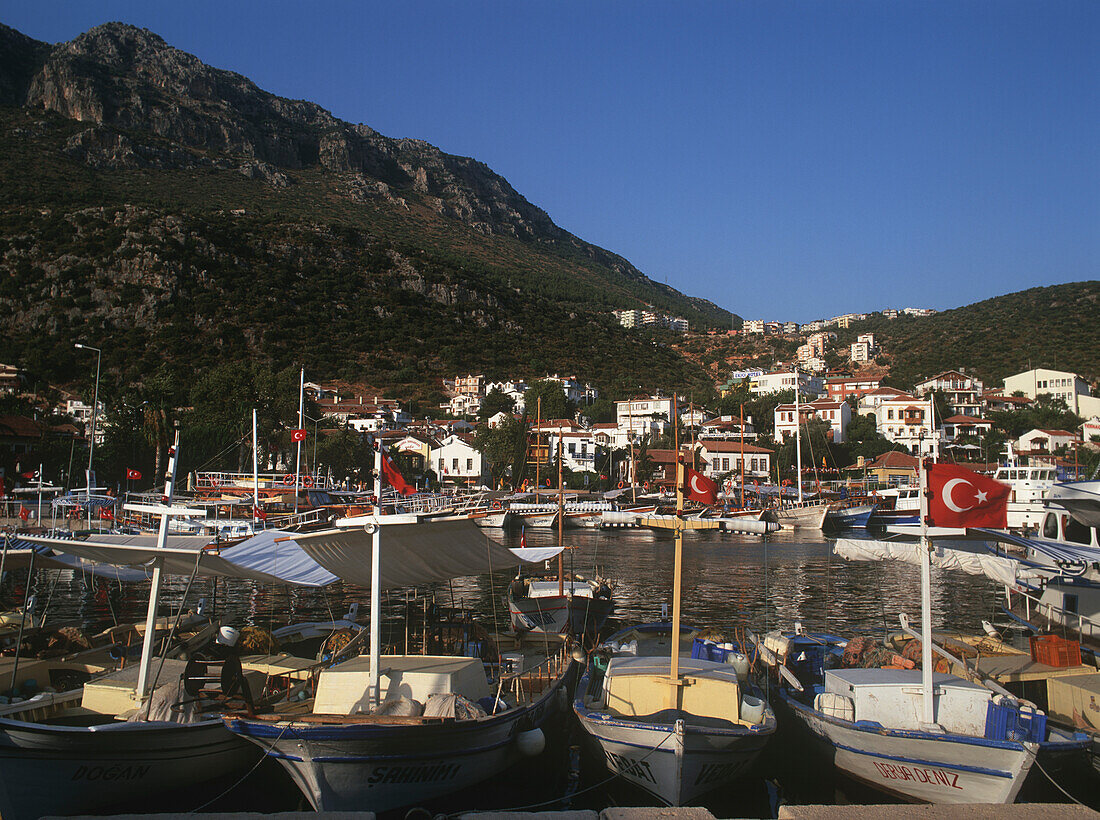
point(801, 514)
point(850, 517)
point(918, 735)
point(442, 726)
point(677, 752)
point(385, 731)
point(576, 606)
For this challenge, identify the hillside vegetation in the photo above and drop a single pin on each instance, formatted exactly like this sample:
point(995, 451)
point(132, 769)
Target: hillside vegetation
point(177, 216)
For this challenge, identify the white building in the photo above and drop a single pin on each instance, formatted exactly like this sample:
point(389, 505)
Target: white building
point(643, 415)
point(1045, 441)
point(678, 324)
point(776, 381)
point(907, 420)
point(515, 390)
point(1058, 384)
point(82, 412)
point(727, 428)
point(579, 394)
point(790, 327)
point(578, 450)
point(837, 413)
point(753, 326)
point(725, 457)
point(963, 393)
point(457, 462)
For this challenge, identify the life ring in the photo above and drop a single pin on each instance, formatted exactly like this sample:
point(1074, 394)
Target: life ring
point(622, 485)
point(496, 505)
point(646, 486)
point(288, 478)
point(307, 481)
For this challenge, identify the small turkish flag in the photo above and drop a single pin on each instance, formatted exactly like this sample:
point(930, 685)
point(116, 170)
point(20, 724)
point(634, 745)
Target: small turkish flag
point(298, 435)
point(699, 487)
point(394, 477)
point(24, 513)
point(259, 514)
point(963, 498)
point(134, 474)
point(106, 514)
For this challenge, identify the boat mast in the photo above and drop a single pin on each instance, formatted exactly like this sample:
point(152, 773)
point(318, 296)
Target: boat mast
point(301, 425)
point(674, 663)
point(538, 444)
point(255, 471)
point(797, 440)
point(166, 512)
point(741, 433)
point(926, 601)
point(561, 519)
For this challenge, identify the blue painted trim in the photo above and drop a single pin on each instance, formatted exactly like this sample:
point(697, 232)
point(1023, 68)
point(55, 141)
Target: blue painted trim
point(916, 761)
point(913, 734)
point(388, 758)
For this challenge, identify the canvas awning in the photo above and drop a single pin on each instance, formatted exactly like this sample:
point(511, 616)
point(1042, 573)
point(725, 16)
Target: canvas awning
point(256, 559)
point(1000, 569)
point(415, 550)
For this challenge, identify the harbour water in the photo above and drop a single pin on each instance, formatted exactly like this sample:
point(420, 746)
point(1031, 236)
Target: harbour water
point(730, 582)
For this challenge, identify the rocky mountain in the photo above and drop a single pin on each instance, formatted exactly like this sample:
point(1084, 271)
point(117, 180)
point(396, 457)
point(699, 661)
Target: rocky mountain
point(180, 212)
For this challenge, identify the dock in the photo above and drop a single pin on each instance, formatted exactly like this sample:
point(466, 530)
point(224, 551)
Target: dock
point(971, 811)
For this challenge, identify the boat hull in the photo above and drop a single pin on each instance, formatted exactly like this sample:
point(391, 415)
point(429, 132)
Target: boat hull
point(558, 614)
point(57, 770)
point(678, 764)
point(810, 517)
point(378, 767)
point(919, 766)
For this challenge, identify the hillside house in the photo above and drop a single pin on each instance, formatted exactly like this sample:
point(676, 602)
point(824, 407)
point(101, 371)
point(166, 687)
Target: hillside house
point(457, 462)
point(836, 413)
point(724, 457)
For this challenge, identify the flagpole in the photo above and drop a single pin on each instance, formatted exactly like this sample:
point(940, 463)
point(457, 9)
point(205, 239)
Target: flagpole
point(926, 601)
point(376, 580)
point(301, 413)
point(674, 663)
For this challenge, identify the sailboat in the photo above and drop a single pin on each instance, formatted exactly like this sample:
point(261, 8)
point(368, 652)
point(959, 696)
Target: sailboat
point(387, 731)
point(914, 734)
point(803, 514)
point(678, 729)
point(558, 605)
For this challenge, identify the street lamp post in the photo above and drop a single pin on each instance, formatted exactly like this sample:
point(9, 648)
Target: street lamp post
point(95, 410)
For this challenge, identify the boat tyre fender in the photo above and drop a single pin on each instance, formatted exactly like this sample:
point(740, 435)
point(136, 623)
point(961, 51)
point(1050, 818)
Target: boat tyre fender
point(530, 743)
point(496, 505)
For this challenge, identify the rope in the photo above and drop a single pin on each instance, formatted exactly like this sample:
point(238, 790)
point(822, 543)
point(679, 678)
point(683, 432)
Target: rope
point(244, 776)
point(1052, 780)
point(575, 794)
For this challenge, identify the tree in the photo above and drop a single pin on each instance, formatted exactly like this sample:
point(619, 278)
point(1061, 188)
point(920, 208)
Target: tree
point(499, 445)
point(554, 404)
point(601, 411)
point(495, 402)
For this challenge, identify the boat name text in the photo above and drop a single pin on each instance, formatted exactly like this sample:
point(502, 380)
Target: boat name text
point(638, 769)
point(110, 773)
point(933, 776)
point(413, 774)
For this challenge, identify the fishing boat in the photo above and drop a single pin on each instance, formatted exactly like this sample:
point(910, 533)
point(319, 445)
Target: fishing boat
point(915, 734)
point(677, 728)
point(548, 606)
point(387, 731)
point(678, 750)
point(138, 733)
point(850, 517)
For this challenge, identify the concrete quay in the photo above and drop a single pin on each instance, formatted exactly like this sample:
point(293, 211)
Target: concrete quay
point(971, 811)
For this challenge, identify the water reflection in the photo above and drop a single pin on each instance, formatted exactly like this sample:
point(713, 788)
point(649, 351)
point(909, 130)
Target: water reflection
point(729, 581)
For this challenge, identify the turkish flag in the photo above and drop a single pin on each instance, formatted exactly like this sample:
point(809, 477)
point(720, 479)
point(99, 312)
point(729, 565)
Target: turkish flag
point(298, 435)
point(394, 477)
point(259, 514)
point(963, 498)
point(134, 474)
point(106, 514)
point(27, 475)
point(24, 513)
point(699, 488)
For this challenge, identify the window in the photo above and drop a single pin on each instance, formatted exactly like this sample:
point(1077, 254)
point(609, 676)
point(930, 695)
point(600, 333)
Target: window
point(572, 448)
point(454, 464)
point(890, 415)
point(469, 465)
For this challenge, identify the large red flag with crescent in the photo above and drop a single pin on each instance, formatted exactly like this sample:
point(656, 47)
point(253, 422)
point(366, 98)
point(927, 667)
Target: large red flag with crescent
point(699, 488)
point(963, 498)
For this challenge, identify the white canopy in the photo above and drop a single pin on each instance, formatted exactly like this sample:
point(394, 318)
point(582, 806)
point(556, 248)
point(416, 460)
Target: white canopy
point(415, 550)
point(182, 551)
point(1002, 570)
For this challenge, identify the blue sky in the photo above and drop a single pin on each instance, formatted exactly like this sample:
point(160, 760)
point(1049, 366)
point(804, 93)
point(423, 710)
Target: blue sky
point(787, 160)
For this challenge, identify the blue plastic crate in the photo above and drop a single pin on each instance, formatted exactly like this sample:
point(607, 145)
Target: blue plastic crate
point(1007, 721)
